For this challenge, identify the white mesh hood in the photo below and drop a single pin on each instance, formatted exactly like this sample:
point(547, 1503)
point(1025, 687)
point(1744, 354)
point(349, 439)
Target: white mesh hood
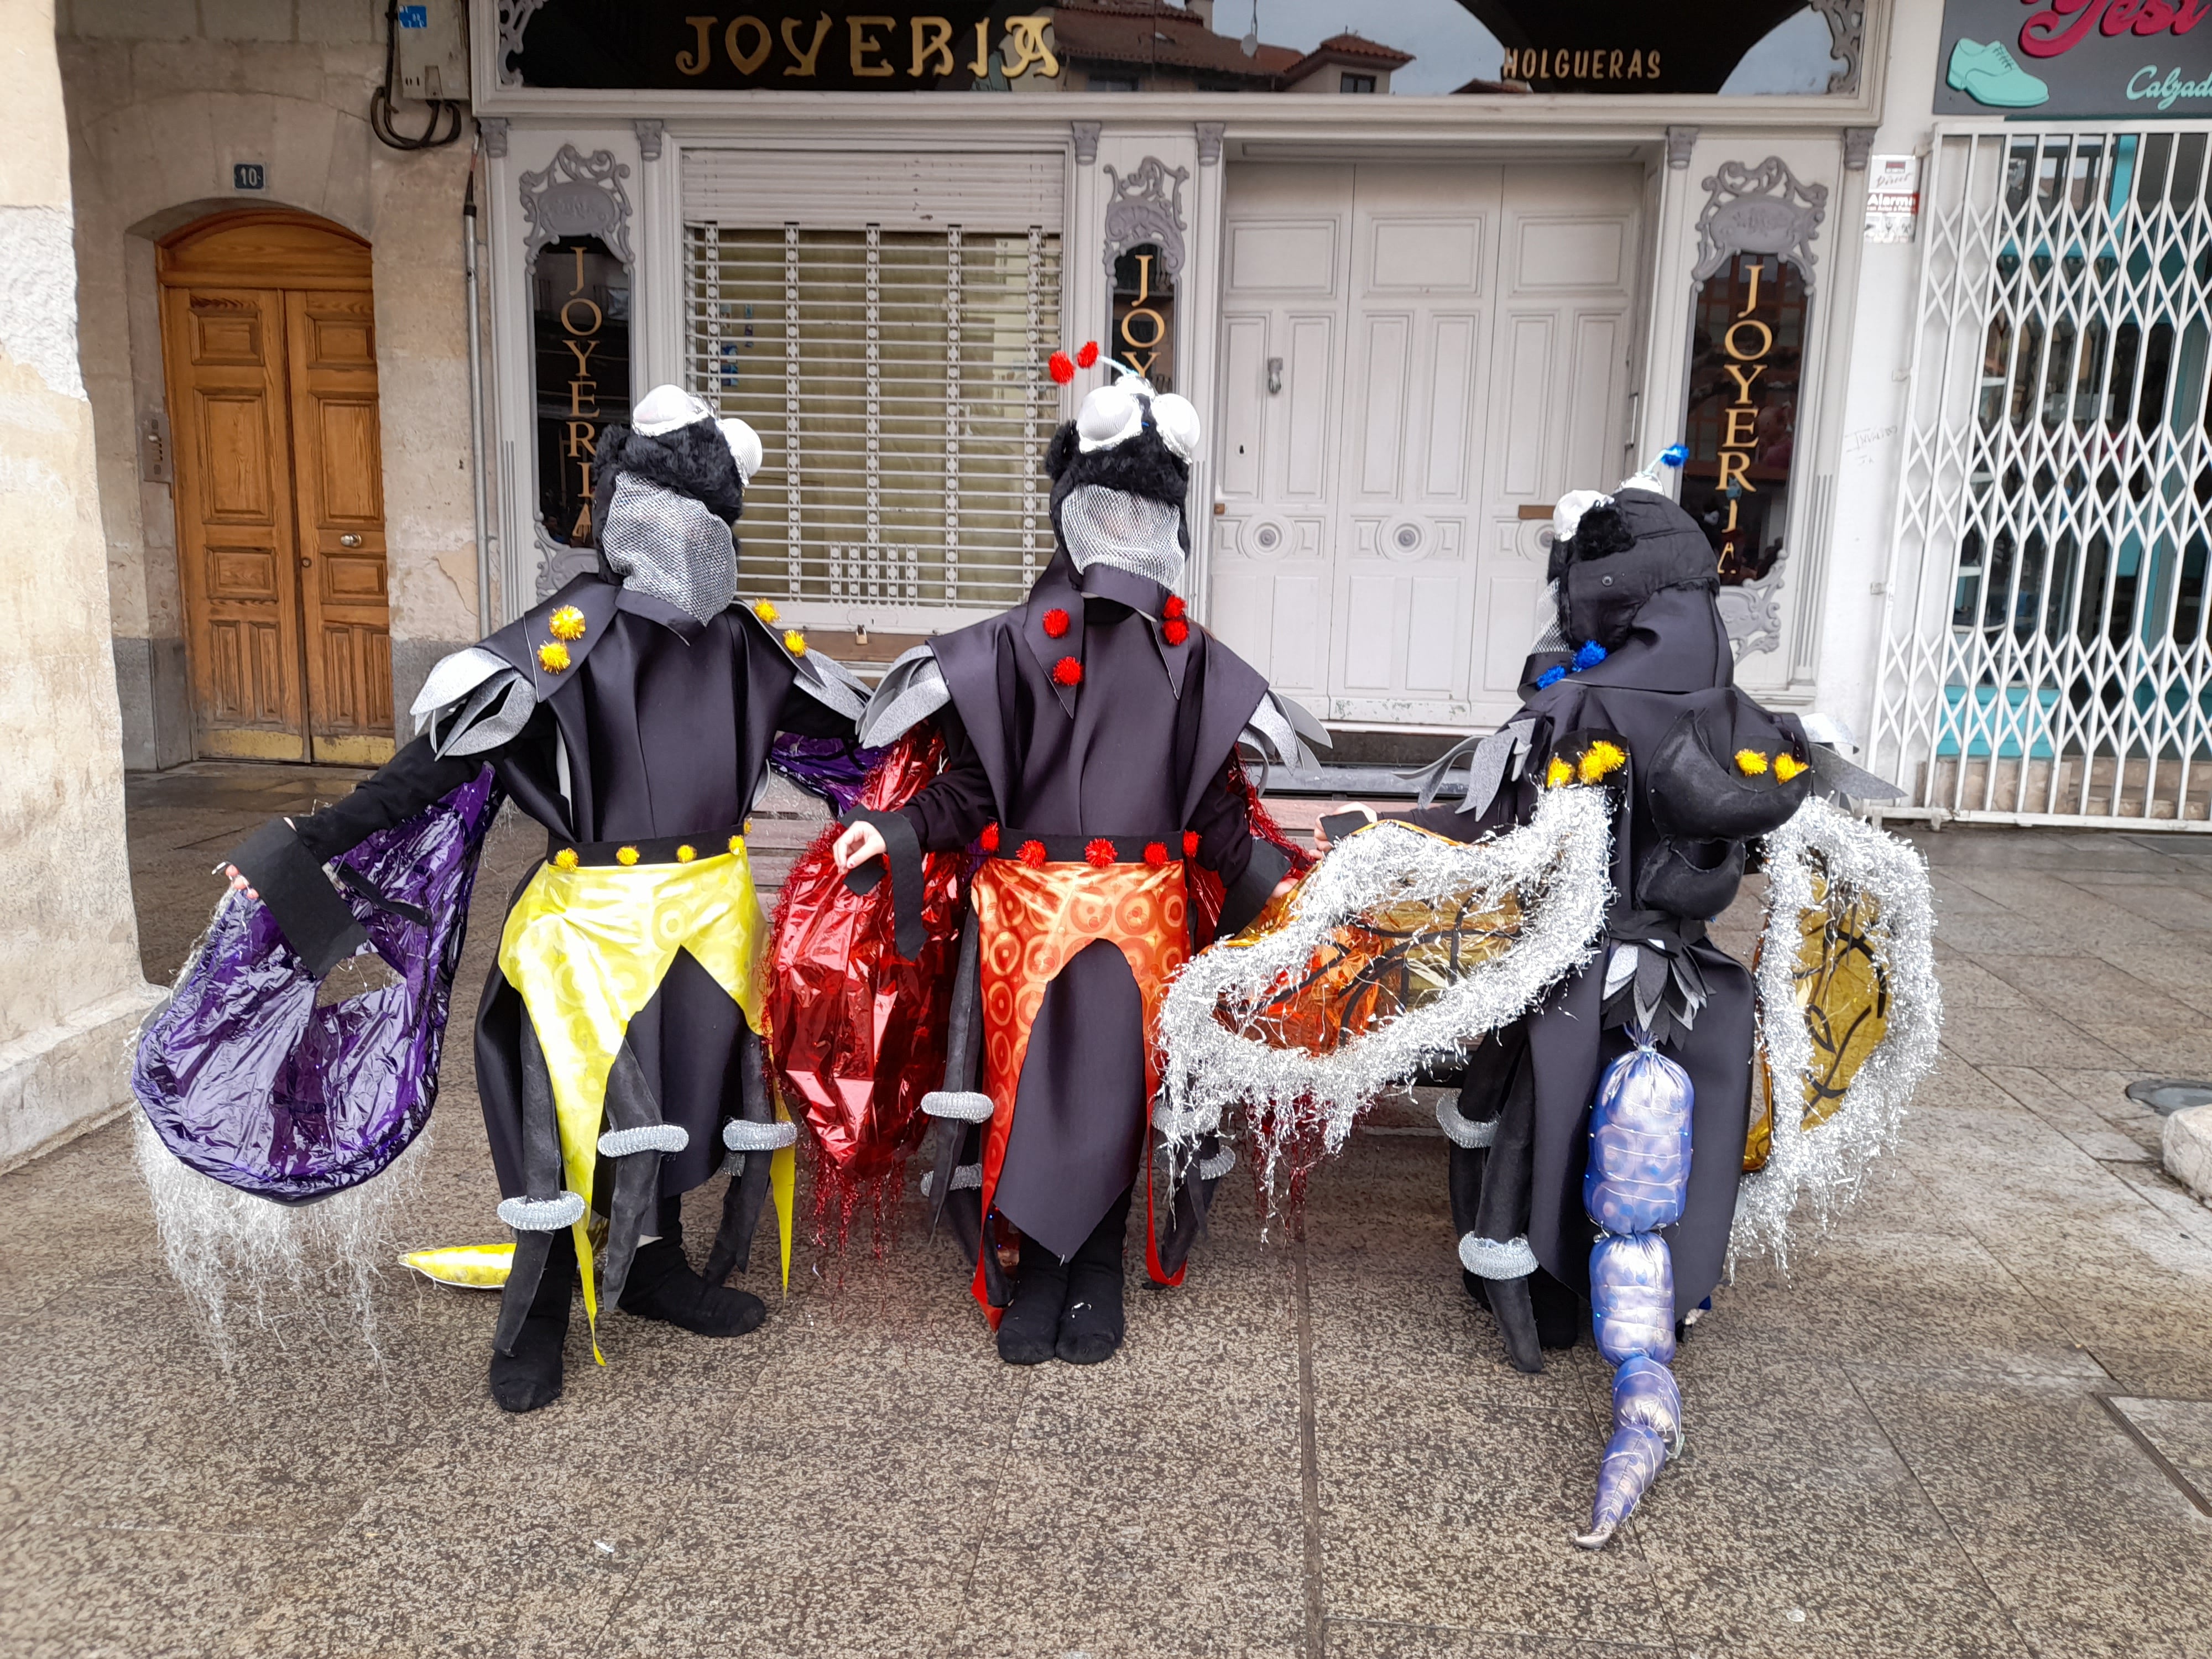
point(670, 546)
point(1134, 533)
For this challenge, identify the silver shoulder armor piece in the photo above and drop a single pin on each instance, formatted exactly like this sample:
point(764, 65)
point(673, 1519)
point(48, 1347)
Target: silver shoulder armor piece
point(911, 690)
point(473, 701)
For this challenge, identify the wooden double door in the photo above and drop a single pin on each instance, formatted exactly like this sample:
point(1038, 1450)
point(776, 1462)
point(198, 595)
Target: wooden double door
point(269, 342)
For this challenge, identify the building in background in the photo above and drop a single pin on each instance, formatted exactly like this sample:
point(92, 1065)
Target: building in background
point(1948, 437)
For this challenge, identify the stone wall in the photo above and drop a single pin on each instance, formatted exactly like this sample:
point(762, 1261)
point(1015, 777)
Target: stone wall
point(70, 989)
point(163, 97)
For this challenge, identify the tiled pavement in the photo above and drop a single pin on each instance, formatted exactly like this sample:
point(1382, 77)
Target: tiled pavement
point(1949, 1431)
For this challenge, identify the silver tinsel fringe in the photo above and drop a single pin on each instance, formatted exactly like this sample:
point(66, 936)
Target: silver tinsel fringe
point(1557, 866)
point(287, 1265)
point(1823, 1167)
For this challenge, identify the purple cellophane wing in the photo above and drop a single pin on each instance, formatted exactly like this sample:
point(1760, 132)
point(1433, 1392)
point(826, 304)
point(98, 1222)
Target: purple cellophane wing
point(250, 1083)
point(831, 767)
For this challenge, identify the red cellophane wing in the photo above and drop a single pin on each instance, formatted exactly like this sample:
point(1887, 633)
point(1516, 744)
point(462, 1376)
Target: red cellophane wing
point(855, 1033)
point(1206, 889)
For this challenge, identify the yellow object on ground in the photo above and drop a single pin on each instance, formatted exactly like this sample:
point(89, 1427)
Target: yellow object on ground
point(470, 1266)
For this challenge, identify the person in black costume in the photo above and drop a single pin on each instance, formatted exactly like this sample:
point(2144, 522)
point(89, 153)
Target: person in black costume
point(1637, 656)
point(1091, 734)
point(631, 714)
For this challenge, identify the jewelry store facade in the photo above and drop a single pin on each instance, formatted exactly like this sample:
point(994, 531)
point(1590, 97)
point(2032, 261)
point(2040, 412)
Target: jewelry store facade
point(1412, 318)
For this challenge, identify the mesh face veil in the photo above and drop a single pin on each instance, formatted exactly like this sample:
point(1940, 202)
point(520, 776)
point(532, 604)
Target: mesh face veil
point(1130, 532)
point(672, 547)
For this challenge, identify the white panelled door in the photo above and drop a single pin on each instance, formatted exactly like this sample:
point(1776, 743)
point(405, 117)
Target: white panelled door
point(1411, 356)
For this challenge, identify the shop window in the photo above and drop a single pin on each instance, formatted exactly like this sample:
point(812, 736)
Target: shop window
point(897, 380)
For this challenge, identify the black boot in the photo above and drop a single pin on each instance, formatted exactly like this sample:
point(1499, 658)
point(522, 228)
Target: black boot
point(1091, 1329)
point(530, 1376)
point(1516, 1321)
point(662, 1285)
point(1030, 1323)
point(1558, 1311)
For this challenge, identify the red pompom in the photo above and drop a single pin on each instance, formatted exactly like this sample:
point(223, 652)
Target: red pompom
point(1175, 630)
point(1173, 608)
point(1061, 367)
point(1099, 853)
point(1055, 621)
point(1088, 355)
point(1156, 855)
point(1190, 843)
point(1067, 671)
point(988, 840)
point(1032, 854)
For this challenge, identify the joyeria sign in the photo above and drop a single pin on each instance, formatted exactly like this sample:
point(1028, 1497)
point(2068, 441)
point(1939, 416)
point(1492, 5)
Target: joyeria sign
point(2068, 57)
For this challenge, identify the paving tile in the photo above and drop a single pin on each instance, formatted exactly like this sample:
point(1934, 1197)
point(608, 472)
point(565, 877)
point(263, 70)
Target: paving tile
point(1437, 1514)
point(2024, 1036)
point(1370, 1639)
point(2091, 1109)
point(2088, 990)
point(2080, 1538)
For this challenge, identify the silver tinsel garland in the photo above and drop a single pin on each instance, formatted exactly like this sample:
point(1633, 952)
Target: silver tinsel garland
point(1823, 1166)
point(1556, 866)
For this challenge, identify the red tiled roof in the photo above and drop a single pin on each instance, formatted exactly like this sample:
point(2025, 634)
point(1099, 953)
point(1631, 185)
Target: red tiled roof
point(1151, 33)
point(1355, 45)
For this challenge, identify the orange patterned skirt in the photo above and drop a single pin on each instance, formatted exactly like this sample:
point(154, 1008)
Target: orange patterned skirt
point(1031, 921)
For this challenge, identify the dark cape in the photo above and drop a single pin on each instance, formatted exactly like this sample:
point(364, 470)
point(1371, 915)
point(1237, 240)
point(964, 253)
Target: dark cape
point(665, 723)
point(1140, 750)
point(1536, 1080)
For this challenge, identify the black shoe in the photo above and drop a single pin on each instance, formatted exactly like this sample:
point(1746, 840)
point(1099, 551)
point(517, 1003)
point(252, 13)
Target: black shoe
point(1030, 1323)
point(1516, 1322)
point(662, 1285)
point(529, 1377)
point(1558, 1311)
point(1092, 1326)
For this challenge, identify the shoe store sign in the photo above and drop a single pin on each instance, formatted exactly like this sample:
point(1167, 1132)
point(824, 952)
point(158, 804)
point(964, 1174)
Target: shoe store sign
point(2123, 58)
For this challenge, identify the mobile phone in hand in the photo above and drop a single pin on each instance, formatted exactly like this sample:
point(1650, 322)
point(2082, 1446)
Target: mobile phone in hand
point(1338, 825)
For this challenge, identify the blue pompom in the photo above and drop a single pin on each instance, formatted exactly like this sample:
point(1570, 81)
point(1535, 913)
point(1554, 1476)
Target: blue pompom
point(1589, 656)
point(1550, 678)
point(1675, 454)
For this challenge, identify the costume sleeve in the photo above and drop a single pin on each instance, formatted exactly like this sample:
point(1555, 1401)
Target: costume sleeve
point(411, 781)
point(284, 861)
point(956, 805)
point(1248, 866)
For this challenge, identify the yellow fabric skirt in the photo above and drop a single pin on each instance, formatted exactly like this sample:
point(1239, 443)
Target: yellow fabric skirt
point(586, 949)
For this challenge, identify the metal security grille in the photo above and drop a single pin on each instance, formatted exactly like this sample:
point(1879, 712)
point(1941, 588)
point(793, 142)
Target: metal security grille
point(2045, 650)
point(897, 380)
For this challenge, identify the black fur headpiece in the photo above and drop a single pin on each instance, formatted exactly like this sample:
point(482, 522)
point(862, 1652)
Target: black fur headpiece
point(1624, 549)
point(692, 461)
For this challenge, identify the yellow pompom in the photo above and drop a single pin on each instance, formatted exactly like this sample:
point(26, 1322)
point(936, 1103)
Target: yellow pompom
point(736, 844)
point(686, 852)
point(566, 857)
point(795, 642)
point(1557, 773)
point(1750, 762)
point(566, 623)
point(1602, 759)
point(625, 855)
point(553, 656)
point(766, 612)
point(1787, 767)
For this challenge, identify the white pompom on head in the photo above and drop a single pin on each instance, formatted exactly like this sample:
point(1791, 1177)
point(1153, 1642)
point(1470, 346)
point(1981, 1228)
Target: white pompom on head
point(745, 447)
point(1176, 421)
point(666, 408)
point(1109, 414)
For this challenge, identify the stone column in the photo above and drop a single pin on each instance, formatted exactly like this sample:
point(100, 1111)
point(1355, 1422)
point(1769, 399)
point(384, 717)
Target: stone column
point(71, 990)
